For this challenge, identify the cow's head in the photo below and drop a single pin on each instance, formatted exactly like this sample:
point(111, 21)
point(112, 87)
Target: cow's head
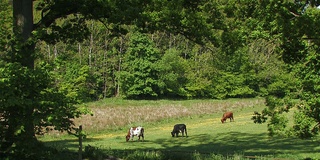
point(127, 138)
point(172, 134)
point(222, 120)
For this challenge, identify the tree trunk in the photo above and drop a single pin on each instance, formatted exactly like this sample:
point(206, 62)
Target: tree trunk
point(23, 26)
point(79, 51)
point(91, 49)
point(105, 68)
point(117, 94)
point(20, 117)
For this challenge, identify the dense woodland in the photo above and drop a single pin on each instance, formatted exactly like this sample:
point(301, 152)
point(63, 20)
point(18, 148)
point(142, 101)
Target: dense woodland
point(81, 51)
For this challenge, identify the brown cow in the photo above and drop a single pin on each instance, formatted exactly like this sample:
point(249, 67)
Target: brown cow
point(135, 131)
point(226, 116)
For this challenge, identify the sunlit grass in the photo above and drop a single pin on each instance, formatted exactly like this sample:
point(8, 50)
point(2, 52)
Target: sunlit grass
point(118, 113)
point(207, 135)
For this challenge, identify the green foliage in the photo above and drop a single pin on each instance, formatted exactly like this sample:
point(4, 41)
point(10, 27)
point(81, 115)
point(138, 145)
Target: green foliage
point(283, 85)
point(287, 24)
point(277, 125)
point(200, 73)
point(172, 74)
point(232, 86)
point(139, 77)
point(195, 20)
point(79, 83)
point(310, 19)
point(5, 26)
point(31, 96)
point(38, 150)
point(307, 117)
point(200, 65)
point(146, 155)
point(303, 125)
point(94, 153)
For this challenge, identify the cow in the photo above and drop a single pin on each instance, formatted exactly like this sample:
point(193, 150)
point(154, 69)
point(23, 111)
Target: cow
point(179, 128)
point(226, 116)
point(135, 131)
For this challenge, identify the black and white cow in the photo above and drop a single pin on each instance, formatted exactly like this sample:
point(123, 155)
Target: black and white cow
point(135, 131)
point(179, 128)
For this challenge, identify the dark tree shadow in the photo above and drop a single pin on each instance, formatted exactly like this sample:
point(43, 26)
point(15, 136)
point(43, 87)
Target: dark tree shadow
point(245, 143)
point(225, 144)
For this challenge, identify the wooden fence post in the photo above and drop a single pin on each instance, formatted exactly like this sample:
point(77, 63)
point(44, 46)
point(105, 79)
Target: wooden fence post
point(80, 142)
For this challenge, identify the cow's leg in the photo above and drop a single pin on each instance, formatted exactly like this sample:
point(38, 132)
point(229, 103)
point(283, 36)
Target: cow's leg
point(142, 135)
point(182, 131)
point(186, 131)
point(131, 134)
point(231, 118)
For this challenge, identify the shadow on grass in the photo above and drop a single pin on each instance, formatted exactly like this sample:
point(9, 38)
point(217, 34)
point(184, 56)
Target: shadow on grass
point(224, 144)
point(243, 143)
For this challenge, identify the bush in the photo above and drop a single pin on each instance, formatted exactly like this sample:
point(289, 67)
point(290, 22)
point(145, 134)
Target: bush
point(94, 153)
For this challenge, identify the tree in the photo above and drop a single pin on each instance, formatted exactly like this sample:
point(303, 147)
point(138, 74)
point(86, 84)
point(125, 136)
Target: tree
point(172, 74)
point(22, 53)
point(139, 76)
point(307, 119)
point(31, 101)
point(287, 73)
point(298, 47)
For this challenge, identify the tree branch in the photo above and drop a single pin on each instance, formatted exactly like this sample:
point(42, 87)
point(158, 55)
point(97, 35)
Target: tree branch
point(314, 127)
point(294, 14)
point(53, 15)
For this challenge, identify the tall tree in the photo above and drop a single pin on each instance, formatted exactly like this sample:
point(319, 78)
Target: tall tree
point(139, 76)
point(172, 74)
point(19, 119)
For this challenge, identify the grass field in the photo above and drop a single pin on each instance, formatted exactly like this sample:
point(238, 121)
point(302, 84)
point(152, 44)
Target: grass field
point(106, 130)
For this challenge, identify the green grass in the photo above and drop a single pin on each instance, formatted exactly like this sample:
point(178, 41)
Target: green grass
point(206, 134)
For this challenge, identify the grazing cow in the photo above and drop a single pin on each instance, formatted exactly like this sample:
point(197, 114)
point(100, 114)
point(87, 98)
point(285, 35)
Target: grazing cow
point(226, 116)
point(135, 131)
point(179, 128)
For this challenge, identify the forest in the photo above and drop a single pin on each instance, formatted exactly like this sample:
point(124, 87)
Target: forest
point(55, 54)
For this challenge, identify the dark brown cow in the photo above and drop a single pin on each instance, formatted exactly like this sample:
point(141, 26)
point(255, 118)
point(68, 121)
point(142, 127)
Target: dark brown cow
point(135, 131)
point(179, 128)
point(226, 116)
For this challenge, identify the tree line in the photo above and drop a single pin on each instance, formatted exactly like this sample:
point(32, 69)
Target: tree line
point(59, 53)
point(157, 65)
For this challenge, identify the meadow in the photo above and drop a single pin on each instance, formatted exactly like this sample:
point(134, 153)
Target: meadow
point(207, 137)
